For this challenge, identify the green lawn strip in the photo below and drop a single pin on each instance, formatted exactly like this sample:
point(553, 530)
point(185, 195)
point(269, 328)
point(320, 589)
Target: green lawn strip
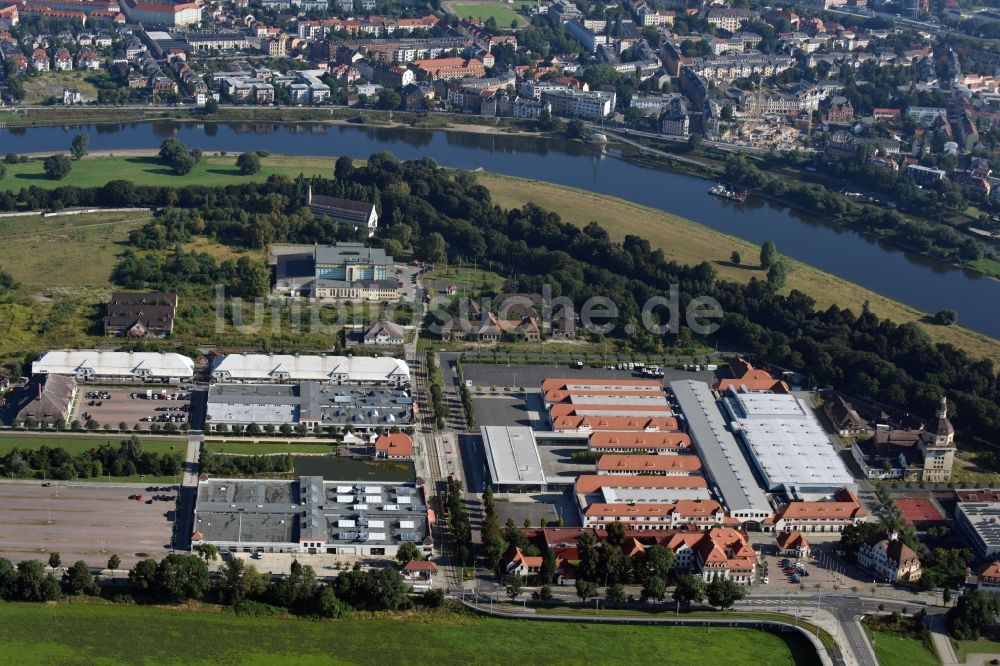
point(108, 634)
point(965, 648)
point(824, 636)
point(894, 649)
point(211, 171)
point(76, 445)
point(485, 10)
point(258, 448)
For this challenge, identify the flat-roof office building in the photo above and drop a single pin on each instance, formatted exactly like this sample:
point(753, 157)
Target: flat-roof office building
point(310, 515)
point(235, 407)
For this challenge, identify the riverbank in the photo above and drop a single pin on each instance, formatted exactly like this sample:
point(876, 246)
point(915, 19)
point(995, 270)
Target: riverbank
point(688, 242)
point(682, 240)
point(635, 149)
point(58, 116)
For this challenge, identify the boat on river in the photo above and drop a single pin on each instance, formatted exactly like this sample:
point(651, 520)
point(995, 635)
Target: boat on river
point(724, 192)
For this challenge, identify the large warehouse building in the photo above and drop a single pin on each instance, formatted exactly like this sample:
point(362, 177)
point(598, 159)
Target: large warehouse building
point(786, 443)
point(724, 463)
point(91, 365)
point(512, 459)
point(310, 515)
point(280, 368)
point(234, 407)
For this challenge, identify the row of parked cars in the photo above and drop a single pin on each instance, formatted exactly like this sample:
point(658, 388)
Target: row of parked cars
point(796, 572)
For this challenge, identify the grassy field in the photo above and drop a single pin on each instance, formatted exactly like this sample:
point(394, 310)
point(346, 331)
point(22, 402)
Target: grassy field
point(83, 247)
point(895, 650)
point(983, 647)
point(50, 84)
point(89, 634)
point(485, 10)
point(471, 282)
point(690, 243)
point(75, 445)
point(257, 448)
point(146, 170)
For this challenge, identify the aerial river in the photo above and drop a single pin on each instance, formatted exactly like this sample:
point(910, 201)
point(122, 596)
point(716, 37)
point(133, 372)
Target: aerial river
point(917, 281)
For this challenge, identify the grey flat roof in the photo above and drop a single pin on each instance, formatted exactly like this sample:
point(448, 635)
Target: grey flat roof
point(512, 455)
point(718, 449)
point(308, 401)
point(786, 441)
point(351, 253)
point(266, 511)
point(984, 517)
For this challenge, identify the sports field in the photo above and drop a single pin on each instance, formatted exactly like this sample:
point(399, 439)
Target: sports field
point(106, 634)
point(486, 10)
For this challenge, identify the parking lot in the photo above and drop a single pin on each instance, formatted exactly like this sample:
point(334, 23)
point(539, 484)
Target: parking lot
point(532, 376)
point(88, 522)
point(503, 411)
point(138, 406)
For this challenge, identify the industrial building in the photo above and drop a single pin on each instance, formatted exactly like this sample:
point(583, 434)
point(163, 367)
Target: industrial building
point(351, 271)
point(91, 365)
point(724, 463)
point(310, 515)
point(786, 444)
point(235, 407)
point(512, 459)
point(236, 368)
point(980, 523)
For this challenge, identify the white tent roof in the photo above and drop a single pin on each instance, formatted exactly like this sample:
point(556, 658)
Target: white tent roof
point(263, 367)
point(113, 364)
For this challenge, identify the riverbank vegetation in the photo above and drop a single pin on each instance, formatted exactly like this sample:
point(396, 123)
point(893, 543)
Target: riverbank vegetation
point(687, 242)
point(933, 239)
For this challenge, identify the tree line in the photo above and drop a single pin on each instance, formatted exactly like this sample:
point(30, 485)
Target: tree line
point(127, 459)
point(238, 585)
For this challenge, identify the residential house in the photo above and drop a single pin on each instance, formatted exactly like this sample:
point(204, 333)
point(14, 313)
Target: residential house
point(40, 60)
point(793, 544)
point(845, 419)
point(86, 59)
point(889, 558)
point(384, 333)
point(748, 378)
point(988, 579)
point(419, 571)
point(62, 60)
point(394, 446)
point(139, 315)
point(45, 400)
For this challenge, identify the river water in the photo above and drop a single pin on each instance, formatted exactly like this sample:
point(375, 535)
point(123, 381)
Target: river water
point(917, 281)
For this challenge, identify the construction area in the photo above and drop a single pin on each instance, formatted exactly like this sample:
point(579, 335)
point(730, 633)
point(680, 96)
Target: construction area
point(88, 522)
